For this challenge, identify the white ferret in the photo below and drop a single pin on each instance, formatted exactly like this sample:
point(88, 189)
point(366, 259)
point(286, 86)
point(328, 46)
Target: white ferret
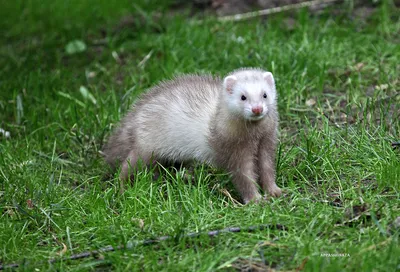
point(229, 123)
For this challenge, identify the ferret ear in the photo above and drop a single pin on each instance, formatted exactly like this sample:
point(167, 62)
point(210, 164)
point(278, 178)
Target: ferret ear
point(269, 78)
point(229, 82)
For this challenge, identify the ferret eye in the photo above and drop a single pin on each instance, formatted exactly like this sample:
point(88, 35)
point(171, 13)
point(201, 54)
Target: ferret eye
point(243, 97)
point(265, 95)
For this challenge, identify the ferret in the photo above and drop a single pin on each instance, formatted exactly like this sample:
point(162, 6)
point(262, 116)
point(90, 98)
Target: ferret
point(230, 123)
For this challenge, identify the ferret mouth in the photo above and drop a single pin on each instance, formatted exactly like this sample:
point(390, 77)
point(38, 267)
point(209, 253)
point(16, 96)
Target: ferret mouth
point(256, 117)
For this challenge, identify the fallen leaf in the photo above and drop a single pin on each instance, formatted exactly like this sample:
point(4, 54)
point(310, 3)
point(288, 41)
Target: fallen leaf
point(139, 222)
point(9, 210)
point(91, 74)
point(76, 46)
point(30, 204)
point(63, 251)
point(381, 87)
point(311, 102)
point(359, 66)
point(5, 133)
point(302, 265)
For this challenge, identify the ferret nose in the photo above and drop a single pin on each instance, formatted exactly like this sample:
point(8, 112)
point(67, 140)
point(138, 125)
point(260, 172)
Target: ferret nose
point(257, 110)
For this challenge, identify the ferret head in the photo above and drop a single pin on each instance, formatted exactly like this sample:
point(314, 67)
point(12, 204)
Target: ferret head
point(250, 93)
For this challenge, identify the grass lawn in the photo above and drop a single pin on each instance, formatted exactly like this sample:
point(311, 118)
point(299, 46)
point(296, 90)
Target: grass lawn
point(69, 71)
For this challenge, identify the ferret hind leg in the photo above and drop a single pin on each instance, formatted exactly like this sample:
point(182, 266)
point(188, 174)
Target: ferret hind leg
point(127, 169)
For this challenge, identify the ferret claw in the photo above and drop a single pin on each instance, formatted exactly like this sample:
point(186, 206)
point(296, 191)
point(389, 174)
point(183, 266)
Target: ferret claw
point(274, 191)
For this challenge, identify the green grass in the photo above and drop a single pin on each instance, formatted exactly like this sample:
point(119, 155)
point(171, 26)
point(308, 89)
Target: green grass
point(340, 174)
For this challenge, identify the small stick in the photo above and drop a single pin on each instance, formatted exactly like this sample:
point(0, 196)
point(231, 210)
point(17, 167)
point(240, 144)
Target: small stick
point(94, 253)
point(396, 145)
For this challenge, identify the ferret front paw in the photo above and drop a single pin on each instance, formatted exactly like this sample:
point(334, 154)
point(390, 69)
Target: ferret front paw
point(255, 199)
point(274, 190)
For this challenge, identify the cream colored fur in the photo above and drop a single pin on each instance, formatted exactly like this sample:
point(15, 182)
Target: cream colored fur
point(199, 117)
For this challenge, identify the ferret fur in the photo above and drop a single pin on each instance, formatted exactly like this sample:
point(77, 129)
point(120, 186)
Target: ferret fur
point(204, 118)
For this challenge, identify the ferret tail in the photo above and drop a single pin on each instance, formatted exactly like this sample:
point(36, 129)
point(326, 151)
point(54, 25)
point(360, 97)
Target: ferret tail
point(118, 146)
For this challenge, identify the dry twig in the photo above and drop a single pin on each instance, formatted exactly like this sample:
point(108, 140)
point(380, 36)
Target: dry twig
point(249, 15)
point(96, 253)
